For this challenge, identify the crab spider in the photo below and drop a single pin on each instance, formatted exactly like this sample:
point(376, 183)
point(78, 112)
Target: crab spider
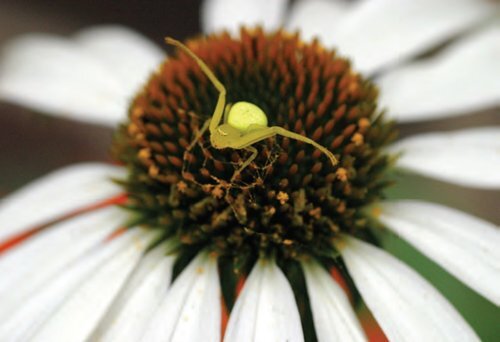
point(244, 123)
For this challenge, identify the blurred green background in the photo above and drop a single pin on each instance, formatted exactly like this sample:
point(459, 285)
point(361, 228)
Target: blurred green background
point(32, 145)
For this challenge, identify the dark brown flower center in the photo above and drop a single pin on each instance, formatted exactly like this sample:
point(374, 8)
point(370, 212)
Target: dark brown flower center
point(290, 200)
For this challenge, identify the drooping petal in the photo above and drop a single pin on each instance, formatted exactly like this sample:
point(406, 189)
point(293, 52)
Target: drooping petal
point(77, 317)
point(317, 18)
point(34, 263)
point(266, 309)
point(56, 194)
point(468, 157)
point(462, 79)
point(191, 310)
point(82, 78)
point(230, 15)
point(24, 321)
point(128, 55)
point(55, 76)
point(464, 245)
point(405, 305)
point(378, 33)
point(334, 318)
point(137, 302)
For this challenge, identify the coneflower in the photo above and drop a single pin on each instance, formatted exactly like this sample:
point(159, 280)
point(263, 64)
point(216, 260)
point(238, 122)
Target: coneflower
point(178, 245)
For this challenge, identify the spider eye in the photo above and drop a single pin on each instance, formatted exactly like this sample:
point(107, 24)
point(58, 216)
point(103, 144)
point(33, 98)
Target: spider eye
point(243, 114)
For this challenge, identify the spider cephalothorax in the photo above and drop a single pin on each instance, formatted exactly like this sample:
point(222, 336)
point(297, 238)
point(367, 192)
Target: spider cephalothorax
point(287, 180)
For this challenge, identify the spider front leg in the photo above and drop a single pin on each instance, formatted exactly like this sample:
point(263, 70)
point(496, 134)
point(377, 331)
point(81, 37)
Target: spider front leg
point(258, 133)
point(283, 132)
point(247, 162)
point(198, 135)
point(221, 101)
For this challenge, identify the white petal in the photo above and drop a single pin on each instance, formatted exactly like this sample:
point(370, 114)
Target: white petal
point(468, 157)
point(266, 309)
point(27, 318)
point(137, 302)
point(229, 15)
point(36, 261)
point(334, 318)
point(90, 77)
point(317, 18)
point(464, 245)
point(462, 79)
point(57, 194)
point(81, 312)
point(378, 33)
point(405, 305)
point(191, 310)
point(129, 56)
point(56, 76)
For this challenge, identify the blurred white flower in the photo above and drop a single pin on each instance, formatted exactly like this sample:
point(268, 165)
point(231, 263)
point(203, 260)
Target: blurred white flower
point(68, 275)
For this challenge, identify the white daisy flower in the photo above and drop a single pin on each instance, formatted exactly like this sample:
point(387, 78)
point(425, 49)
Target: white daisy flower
point(183, 242)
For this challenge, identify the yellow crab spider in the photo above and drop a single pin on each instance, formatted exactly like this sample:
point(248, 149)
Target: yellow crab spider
point(244, 123)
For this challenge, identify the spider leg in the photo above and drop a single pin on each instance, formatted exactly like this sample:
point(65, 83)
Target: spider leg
point(226, 112)
point(257, 133)
point(198, 135)
point(246, 162)
point(221, 101)
point(283, 132)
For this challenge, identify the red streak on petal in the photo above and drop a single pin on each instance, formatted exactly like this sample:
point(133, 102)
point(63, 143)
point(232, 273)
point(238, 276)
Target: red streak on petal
point(239, 286)
point(115, 200)
point(368, 322)
point(337, 276)
point(17, 239)
point(224, 318)
point(225, 313)
point(372, 330)
point(115, 234)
